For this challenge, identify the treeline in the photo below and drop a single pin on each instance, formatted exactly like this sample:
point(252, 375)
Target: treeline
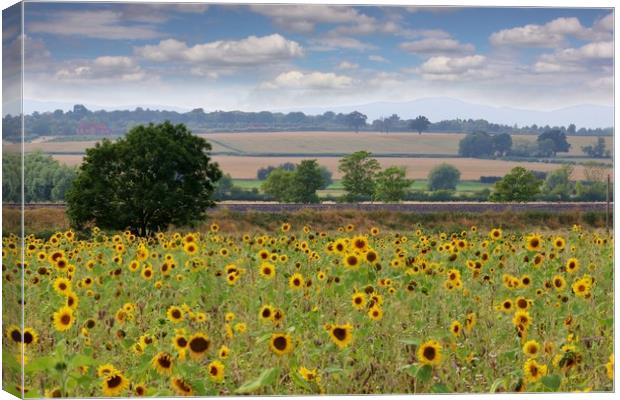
point(364, 179)
point(83, 122)
point(45, 179)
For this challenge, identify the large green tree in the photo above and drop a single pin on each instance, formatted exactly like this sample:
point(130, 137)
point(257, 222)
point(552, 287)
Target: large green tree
point(560, 144)
point(307, 180)
point(279, 184)
point(157, 175)
point(443, 177)
point(477, 144)
point(420, 124)
point(358, 175)
point(518, 185)
point(391, 184)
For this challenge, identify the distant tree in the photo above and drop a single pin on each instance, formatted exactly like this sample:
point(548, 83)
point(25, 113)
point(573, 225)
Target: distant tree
point(571, 130)
point(598, 150)
point(391, 184)
point(327, 177)
point(546, 148)
point(307, 179)
point(263, 173)
point(391, 123)
point(223, 188)
point(359, 170)
point(560, 144)
point(356, 120)
point(518, 185)
point(279, 185)
point(502, 143)
point(157, 175)
point(420, 124)
point(558, 184)
point(477, 144)
point(443, 177)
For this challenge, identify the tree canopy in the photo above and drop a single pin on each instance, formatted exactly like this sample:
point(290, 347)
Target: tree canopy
point(518, 185)
point(359, 170)
point(443, 177)
point(157, 175)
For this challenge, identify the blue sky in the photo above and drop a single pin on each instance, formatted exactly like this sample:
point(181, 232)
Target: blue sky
point(300, 56)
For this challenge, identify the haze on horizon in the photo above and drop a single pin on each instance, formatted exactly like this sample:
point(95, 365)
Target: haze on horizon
point(309, 57)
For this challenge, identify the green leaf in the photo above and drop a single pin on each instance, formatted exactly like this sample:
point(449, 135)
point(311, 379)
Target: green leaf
point(81, 360)
point(298, 380)
point(9, 361)
point(411, 341)
point(498, 382)
point(440, 388)
point(411, 369)
point(267, 377)
point(263, 338)
point(552, 381)
point(333, 370)
point(425, 373)
point(40, 364)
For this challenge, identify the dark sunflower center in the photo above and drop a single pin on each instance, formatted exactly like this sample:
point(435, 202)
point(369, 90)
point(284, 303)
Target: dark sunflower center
point(358, 300)
point(28, 338)
point(114, 381)
point(352, 260)
point(140, 390)
point(62, 286)
point(371, 257)
point(340, 333)
point(534, 242)
point(296, 282)
point(181, 342)
point(429, 353)
point(522, 303)
point(266, 313)
point(65, 319)
point(199, 345)
point(280, 343)
point(213, 370)
point(176, 314)
point(164, 362)
point(16, 336)
point(534, 370)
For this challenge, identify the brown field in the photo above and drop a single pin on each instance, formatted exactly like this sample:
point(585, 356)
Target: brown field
point(244, 167)
point(326, 142)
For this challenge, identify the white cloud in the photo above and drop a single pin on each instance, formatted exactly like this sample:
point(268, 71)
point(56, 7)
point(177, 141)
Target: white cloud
point(452, 68)
point(299, 80)
point(437, 46)
point(575, 59)
point(377, 58)
point(93, 24)
point(347, 65)
point(252, 50)
point(338, 42)
point(606, 23)
point(105, 68)
point(551, 34)
point(303, 18)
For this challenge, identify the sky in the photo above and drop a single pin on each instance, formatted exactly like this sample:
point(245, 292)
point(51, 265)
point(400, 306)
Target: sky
point(271, 57)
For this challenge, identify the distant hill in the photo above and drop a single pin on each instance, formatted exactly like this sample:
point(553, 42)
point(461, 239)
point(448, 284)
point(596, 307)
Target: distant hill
point(445, 108)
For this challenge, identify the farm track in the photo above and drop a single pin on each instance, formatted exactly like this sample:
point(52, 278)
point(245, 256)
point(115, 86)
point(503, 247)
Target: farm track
point(410, 207)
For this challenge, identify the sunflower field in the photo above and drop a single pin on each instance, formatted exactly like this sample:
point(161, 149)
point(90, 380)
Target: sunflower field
point(304, 312)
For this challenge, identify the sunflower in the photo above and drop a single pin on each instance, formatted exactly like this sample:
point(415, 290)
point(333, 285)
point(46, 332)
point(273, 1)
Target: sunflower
point(559, 243)
point(522, 303)
point(181, 386)
point(531, 348)
point(285, 227)
point(281, 343)
point(139, 390)
point(162, 362)
point(14, 333)
point(179, 342)
point(533, 371)
point(267, 270)
point(358, 300)
point(198, 345)
point(216, 371)
point(105, 370)
point(62, 286)
point(174, 314)
point(470, 322)
point(572, 265)
point(63, 319)
point(559, 283)
point(351, 261)
point(375, 313)
point(581, 287)
point(522, 318)
point(266, 313)
point(429, 353)
point(609, 366)
point(309, 375)
point(30, 336)
point(534, 242)
point(341, 335)
point(114, 384)
point(223, 352)
point(147, 272)
point(296, 281)
point(359, 243)
point(495, 234)
point(374, 231)
point(190, 248)
point(455, 328)
point(72, 300)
